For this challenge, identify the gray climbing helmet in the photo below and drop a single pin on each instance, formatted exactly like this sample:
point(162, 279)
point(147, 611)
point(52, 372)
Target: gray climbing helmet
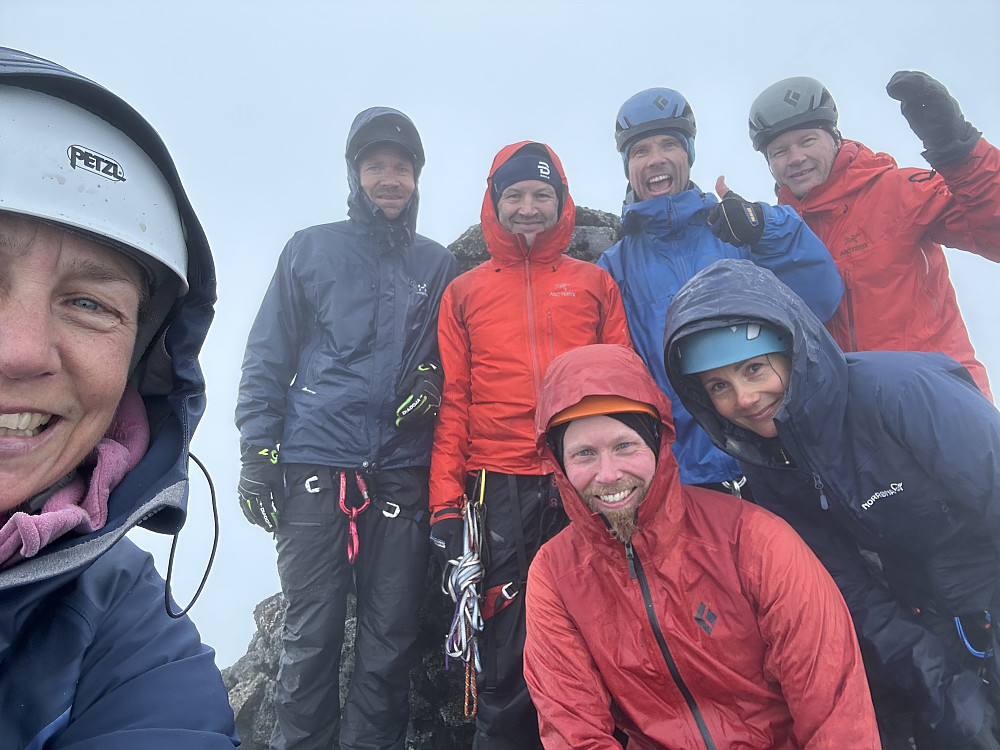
point(791, 104)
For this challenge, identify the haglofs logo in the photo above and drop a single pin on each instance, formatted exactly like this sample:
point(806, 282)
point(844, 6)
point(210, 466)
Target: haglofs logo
point(894, 488)
point(105, 166)
point(705, 618)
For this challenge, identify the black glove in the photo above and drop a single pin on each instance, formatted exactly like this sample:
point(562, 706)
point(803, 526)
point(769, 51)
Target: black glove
point(420, 392)
point(261, 482)
point(448, 538)
point(987, 737)
point(934, 116)
point(735, 221)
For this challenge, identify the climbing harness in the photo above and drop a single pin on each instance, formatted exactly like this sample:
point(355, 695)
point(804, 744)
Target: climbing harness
point(353, 543)
point(461, 582)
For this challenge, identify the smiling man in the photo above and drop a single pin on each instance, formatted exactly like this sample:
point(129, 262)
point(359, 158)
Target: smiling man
point(341, 372)
point(885, 225)
point(677, 616)
point(673, 230)
point(501, 324)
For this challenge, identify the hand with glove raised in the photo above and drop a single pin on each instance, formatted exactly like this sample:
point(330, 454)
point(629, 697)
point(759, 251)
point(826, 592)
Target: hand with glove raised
point(420, 392)
point(261, 482)
point(734, 220)
point(934, 116)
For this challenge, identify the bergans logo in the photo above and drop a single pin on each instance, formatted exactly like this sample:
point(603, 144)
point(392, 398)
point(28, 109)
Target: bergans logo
point(94, 162)
point(893, 489)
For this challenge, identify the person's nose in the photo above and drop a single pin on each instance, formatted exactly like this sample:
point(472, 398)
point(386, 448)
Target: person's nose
point(608, 471)
point(796, 155)
point(746, 397)
point(27, 342)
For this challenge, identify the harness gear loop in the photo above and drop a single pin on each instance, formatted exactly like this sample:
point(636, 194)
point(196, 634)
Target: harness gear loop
point(461, 582)
point(353, 542)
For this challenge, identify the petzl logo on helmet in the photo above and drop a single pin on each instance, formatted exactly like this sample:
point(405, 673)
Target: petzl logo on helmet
point(94, 162)
point(791, 97)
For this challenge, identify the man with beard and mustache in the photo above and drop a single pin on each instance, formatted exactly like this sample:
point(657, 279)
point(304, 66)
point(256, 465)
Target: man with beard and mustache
point(679, 616)
point(341, 371)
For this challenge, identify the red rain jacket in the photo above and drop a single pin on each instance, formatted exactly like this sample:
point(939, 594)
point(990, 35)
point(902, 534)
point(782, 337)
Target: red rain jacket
point(884, 227)
point(723, 593)
point(499, 326)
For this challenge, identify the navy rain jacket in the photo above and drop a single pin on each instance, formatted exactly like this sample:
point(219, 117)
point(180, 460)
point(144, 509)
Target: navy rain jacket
point(894, 453)
point(88, 656)
point(351, 310)
point(667, 241)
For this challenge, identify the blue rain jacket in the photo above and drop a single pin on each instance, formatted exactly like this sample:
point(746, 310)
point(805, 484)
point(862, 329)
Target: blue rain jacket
point(667, 241)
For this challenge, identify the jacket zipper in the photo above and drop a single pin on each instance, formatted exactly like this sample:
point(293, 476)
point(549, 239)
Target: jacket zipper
point(637, 573)
point(532, 338)
point(850, 310)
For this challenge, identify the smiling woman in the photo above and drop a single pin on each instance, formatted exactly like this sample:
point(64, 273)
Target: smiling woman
point(97, 404)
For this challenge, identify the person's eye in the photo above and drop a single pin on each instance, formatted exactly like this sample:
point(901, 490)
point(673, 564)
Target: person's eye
point(85, 303)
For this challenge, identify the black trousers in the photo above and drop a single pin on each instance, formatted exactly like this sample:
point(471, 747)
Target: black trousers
point(521, 512)
point(316, 577)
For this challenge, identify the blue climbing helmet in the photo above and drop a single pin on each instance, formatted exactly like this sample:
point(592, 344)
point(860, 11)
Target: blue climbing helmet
point(716, 347)
point(652, 112)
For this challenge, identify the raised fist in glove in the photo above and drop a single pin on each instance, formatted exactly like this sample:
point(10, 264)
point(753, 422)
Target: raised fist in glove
point(261, 482)
point(734, 220)
point(934, 116)
point(448, 538)
point(420, 392)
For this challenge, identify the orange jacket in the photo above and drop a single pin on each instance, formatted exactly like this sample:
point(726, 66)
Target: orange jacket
point(499, 326)
point(715, 627)
point(884, 227)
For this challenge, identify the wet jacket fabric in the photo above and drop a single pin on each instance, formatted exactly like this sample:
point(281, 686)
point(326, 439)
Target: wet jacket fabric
point(667, 241)
point(350, 311)
point(884, 227)
point(890, 452)
point(715, 627)
point(88, 655)
point(501, 325)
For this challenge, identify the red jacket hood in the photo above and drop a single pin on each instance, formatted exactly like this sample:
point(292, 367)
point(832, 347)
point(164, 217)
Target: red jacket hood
point(606, 369)
point(505, 247)
point(855, 166)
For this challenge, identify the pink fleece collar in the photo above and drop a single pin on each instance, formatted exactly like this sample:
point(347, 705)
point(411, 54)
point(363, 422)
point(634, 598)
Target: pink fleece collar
point(77, 507)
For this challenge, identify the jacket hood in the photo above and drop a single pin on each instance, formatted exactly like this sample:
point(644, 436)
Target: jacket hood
point(605, 370)
point(360, 206)
point(855, 166)
point(505, 247)
point(168, 376)
point(731, 292)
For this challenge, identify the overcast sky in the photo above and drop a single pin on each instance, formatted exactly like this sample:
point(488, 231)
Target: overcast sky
point(254, 100)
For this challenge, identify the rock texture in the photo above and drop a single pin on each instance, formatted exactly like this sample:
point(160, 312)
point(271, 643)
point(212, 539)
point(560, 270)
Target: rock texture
point(437, 720)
